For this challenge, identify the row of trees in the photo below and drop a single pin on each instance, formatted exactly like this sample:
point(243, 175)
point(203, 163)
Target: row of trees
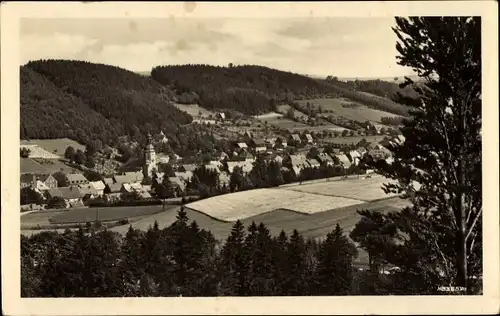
point(184, 260)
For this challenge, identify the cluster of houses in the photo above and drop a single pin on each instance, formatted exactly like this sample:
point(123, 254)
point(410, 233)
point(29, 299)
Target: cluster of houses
point(131, 184)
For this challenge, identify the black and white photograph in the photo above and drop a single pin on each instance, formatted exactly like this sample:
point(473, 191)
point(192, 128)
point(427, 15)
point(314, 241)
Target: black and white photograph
point(261, 150)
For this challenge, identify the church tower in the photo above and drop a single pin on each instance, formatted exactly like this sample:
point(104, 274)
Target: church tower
point(149, 158)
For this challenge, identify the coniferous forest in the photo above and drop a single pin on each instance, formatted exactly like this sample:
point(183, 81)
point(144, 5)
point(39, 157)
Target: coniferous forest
point(184, 260)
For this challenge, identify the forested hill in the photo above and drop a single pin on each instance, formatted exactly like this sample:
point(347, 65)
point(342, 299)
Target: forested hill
point(257, 89)
point(93, 101)
point(248, 89)
point(48, 112)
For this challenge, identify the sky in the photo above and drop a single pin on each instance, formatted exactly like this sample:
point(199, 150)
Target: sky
point(342, 47)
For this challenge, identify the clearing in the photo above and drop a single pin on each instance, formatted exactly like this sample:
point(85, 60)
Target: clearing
point(57, 145)
point(284, 108)
point(284, 123)
point(353, 111)
point(195, 110)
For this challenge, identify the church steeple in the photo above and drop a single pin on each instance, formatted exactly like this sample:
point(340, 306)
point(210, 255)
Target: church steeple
point(149, 157)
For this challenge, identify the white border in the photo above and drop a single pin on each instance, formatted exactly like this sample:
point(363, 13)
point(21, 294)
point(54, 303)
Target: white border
point(14, 305)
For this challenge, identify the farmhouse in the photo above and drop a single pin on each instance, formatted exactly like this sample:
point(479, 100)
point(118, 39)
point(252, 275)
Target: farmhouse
point(113, 191)
point(307, 138)
point(325, 159)
point(129, 177)
point(71, 195)
point(344, 160)
point(379, 152)
point(76, 178)
point(98, 187)
point(271, 142)
point(40, 182)
point(355, 156)
point(108, 181)
point(295, 138)
point(131, 188)
point(280, 143)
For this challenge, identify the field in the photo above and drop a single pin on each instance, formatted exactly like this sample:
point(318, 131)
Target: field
point(84, 215)
point(284, 123)
point(270, 115)
point(359, 113)
point(194, 110)
point(29, 165)
point(57, 145)
point(240, 205)
point(367, 189)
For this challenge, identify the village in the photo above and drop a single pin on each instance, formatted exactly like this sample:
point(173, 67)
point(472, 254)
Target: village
point(137, 179)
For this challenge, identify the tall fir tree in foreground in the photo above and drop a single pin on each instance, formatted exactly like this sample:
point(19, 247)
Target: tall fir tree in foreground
point(439, 237)
point(334, 270)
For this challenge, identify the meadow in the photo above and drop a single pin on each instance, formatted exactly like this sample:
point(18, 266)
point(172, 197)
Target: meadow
point(284, 108)
point(358, 112)
point(29, 165)
point(283, 123)
point(104, 214)
point(194, 110)
point(57, 145)
point(367, 189)
point(241, 205)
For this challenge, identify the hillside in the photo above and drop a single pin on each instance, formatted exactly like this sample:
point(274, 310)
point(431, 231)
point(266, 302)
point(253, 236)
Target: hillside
point(256, 90)
point(249, 89)
point(105, 101)
point(48, 112)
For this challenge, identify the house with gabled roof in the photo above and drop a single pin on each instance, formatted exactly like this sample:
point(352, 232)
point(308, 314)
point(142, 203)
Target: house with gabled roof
point(72, 195)
point(76, 179)
point(296, 138)
point(280, 143)
point(344, 160)
point(38, 182)
point(307, 138)
point(313, 163)
point(325, 159)
point(129, 177)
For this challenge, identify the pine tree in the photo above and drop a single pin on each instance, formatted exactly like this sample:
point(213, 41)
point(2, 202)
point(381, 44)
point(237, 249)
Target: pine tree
point(233, 263)
point(262, 263)
point(279, 260)
point(297, 268)
point(334, 271)
point(441, 151)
